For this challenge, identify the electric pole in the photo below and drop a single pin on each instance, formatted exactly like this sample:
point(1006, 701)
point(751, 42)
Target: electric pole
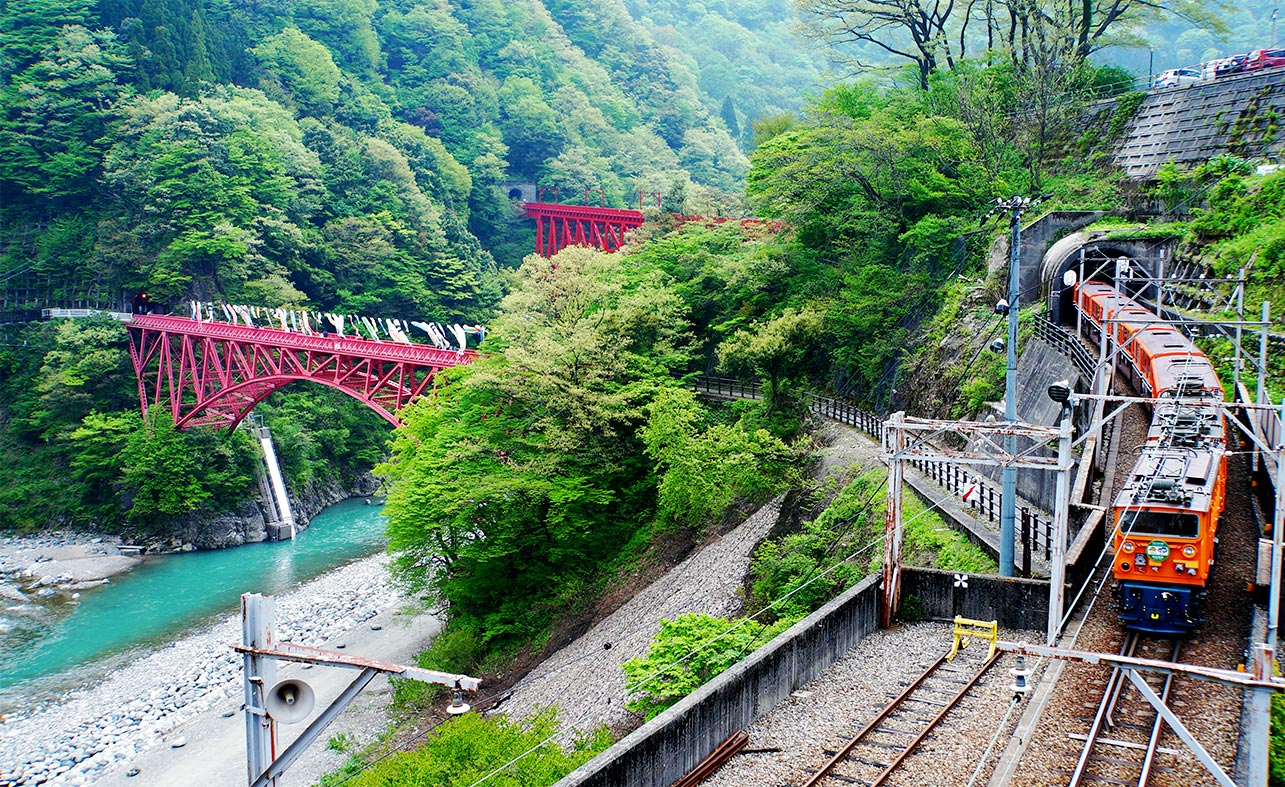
point(1008, 492)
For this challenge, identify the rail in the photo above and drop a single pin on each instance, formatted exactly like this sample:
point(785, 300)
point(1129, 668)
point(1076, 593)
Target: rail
point(1034, 531)
point(1107, 708)
point(870, 762)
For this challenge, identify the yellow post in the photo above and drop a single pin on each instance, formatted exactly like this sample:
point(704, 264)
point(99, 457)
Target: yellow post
point(966, 629)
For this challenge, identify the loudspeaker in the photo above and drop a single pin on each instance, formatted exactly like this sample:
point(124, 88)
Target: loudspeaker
point(290, 701)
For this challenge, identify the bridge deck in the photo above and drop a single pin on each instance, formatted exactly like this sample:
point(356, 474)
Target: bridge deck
point(377, 350)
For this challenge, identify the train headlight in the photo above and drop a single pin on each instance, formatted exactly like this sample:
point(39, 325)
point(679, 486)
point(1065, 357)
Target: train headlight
point(1128, 547)
point(1126, 566)
point(1189, 551)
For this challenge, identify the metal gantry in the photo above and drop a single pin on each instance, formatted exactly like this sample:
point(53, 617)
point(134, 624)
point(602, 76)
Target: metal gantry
point(993, 445)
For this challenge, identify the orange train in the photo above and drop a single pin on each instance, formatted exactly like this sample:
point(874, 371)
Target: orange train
point(1166, 516)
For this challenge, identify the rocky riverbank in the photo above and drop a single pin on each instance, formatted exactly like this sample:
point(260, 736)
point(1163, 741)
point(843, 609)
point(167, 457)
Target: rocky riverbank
point(49, 569)
point(106, 726)
point(247, 524)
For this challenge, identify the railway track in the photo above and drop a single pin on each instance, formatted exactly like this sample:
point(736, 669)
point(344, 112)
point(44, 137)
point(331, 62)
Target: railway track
point(1124, 737)
point(875, 752)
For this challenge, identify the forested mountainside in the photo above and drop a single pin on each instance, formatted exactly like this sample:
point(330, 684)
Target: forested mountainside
point(349, 153)
point(346, 155)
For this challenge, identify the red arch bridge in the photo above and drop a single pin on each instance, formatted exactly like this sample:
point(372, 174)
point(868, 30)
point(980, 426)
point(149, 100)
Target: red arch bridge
point(214, 373)
point(558, 226)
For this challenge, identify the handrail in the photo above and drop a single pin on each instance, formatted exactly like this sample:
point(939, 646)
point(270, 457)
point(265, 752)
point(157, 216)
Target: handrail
point(1061, 341)
point(352, 345)
point(1036, 531)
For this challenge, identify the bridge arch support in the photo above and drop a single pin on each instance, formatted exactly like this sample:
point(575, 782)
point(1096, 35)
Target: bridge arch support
point(213, 374)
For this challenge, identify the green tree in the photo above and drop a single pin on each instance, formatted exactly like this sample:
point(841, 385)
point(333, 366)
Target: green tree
point(469, 748)
point(167, 473)
point(55, 115)
point(774, 350)
point(28, 27)
point(522, 475)
point(87, 367)
point(705, 471)
point(96, 448)
point(304, 71)
point(686, 653)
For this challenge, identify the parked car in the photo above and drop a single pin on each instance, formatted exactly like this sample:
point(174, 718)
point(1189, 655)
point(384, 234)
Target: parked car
point(1265, 58)
point(1226, 66)
point(1178, 76)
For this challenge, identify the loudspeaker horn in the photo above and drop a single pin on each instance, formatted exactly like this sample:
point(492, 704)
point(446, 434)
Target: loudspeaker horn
point(290, 701)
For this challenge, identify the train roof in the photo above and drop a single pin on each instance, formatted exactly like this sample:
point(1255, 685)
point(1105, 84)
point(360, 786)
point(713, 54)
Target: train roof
point(1172, 478)
point(1186, 373)
point(1187, 423)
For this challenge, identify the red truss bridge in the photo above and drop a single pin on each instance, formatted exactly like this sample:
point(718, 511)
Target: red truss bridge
point(558, 226)
point(213, 373)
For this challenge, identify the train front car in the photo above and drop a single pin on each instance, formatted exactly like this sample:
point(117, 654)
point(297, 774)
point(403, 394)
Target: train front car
point(1166, 521)
point(1167, 514)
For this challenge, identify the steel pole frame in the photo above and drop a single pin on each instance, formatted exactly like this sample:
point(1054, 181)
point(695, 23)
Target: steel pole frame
point(897, 449)
point(1061, 527)
point(260, 674)
point(260, 654)
point(894, 446)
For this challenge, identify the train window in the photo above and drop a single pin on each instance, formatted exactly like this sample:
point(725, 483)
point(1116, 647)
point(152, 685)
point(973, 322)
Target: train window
point(1160, 523)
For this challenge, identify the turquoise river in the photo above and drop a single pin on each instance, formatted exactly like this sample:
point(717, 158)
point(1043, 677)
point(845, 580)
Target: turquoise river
point(68, 647)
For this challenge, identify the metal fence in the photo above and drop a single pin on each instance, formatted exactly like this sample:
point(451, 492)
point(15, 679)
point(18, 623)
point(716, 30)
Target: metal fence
point(1035, 532)
point(1067, 345)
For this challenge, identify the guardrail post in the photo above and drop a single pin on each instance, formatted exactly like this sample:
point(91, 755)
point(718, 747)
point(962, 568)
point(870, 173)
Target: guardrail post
point(1026, 541)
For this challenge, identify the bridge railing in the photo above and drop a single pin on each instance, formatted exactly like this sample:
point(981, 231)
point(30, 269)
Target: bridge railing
point(1035, 531)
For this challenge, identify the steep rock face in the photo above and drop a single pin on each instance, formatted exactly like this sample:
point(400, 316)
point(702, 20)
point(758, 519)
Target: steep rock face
point(248, 524)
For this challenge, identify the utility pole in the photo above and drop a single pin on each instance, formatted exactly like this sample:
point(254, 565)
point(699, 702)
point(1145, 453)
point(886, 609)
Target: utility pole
point(1008, 491)
point(269, 703)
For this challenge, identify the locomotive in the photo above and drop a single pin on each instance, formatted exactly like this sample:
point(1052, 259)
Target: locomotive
point(1166, 515)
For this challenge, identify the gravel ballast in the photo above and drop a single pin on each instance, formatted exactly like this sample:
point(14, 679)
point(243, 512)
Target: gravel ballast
point(797, 737)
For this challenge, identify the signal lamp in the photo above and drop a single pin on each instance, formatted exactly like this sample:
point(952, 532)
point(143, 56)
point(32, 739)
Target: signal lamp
point(1060, 391)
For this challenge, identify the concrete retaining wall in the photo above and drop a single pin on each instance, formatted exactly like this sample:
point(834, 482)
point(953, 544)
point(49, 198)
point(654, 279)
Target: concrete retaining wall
point(672, 744)
point(667, 747)
point(1015, 603)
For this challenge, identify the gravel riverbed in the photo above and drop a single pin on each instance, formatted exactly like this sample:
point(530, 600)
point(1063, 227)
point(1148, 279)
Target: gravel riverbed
point(77, 739)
